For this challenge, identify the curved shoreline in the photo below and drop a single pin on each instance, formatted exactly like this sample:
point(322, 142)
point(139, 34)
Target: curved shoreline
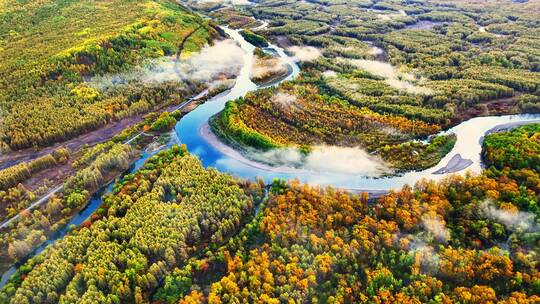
point(193, 125)
point(210, 137)
point(456, 164)
point(193, 131)
point(206, 133)
point(274, 79)
point(507, 127)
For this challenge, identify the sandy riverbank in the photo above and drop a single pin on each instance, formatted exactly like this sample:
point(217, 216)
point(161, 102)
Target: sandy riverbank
point(209, 136)
point(456, 164)
point(508, 127)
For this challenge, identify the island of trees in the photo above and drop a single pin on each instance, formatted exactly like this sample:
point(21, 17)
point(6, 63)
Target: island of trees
point(385, 76)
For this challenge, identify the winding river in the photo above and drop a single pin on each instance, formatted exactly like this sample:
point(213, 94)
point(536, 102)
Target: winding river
point(192, 130)
point(93, 205)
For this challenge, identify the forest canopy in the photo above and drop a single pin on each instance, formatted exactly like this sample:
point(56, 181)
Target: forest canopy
point(50, 52)
point(134, 217)
point(193, 229)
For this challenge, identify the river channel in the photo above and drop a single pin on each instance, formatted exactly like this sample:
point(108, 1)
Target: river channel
point(190, 130)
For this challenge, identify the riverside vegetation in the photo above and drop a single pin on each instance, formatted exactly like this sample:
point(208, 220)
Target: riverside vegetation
point(81, 41)
point(176, 232)
point(88, 170)
point(381, 75)
point(422, 63)
point(59, 90)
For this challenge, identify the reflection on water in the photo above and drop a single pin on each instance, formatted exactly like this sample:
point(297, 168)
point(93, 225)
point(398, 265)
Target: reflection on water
point(93, 205)
point(469, 135)
point(191, 126)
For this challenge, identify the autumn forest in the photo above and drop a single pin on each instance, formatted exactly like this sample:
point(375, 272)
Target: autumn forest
point(270, 151)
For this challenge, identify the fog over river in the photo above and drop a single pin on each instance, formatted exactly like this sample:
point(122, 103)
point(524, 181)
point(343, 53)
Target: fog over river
point(193, 131)
point(330, 168)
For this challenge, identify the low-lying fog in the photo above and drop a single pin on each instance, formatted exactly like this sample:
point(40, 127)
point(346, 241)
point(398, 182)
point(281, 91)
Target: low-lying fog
point(210, 65)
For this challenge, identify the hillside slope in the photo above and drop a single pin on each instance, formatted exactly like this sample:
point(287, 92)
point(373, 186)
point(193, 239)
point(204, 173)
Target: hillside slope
point(50, 52)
